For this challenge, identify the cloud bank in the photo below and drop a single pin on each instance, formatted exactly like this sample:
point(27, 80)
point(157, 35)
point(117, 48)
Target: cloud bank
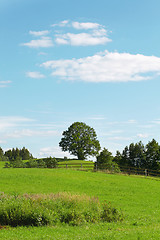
point(106, 67)
point(92, 34)
point(79, 34)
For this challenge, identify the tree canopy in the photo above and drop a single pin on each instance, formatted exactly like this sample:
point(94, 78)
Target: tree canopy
point(80, 140)
point(14, 154)
point(140, 156)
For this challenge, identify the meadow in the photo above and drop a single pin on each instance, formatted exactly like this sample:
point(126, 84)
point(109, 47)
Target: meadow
point(136, 196)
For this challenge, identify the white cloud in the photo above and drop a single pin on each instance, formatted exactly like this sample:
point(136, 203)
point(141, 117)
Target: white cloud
point(43, 42)
point(97, 118)
point(81, 39)
point(4, 84)
point(85, 25)
point(35, 75)
point(106, 67)
point(61, 24)
point(82, 34)
point(54, 152)
point(39, 33)
point(157, 121)
point(90, 34)
point(31, 133)
point(143, 135)
point(120, 138)
point(7, 122)
point(132, 121)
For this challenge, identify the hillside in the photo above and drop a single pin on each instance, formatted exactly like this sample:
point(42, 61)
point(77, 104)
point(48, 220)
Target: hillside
point(137, 197)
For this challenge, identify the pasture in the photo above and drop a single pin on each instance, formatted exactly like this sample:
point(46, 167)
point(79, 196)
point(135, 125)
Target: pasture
point(138, 198)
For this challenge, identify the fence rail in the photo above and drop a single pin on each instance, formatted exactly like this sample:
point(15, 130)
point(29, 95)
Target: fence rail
point(87, 166)
point(123, 169)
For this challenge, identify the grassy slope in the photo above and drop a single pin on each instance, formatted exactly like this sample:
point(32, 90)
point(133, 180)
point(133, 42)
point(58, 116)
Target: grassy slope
point(139, 198)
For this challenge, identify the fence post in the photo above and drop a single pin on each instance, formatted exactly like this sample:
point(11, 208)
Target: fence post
point(96, 167)
point(81, 165)
point(66, 166)
point(145, 172)
point(112, 168)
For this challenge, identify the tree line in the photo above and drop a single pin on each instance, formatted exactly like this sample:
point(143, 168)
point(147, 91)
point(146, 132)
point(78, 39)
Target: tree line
point(136, 155)
point(81, 140)
point(140, 156)
point(15, 154)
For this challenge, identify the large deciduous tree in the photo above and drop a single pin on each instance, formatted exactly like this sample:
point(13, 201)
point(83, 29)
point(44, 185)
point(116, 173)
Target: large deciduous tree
point(80, 140)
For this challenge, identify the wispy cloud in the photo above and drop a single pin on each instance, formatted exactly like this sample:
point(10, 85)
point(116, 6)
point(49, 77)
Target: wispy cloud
point(132, 121)
point(43, 42)
point(61, 24)
point(7, 122)
point(97, 118)
point(81, 39)
point(157, 121)
point(31, 133)
point(36, 75)
point(79, 34)
point(143, 135)
point(39, 33)
point(121, 138)
point(106, 67)
point(53, 151)
point(4, 84)
point(85, 25)
point(92, 34)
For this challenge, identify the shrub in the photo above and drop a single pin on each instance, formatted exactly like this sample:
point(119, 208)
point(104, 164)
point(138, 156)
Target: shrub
point(41, 163)
point(15, 163)
point(105, 162)
point(39, 210)
point(50, 162)
point(31, 163)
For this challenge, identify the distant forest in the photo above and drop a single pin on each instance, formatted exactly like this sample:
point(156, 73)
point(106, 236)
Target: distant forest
point(15, 154)
point(135, 155)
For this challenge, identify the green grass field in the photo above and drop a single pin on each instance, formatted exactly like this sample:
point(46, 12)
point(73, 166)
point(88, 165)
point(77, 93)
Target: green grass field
point(137, 197)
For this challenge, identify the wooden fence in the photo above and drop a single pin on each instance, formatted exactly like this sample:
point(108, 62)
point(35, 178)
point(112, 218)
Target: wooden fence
point(84, 166)
point(123, 169)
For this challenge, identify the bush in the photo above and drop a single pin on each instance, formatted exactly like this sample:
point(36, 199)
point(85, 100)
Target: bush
point(39, 210)
point(41, 163)
point(15, 163)
point(31, 163)
point(105, 161)
point(50, 162)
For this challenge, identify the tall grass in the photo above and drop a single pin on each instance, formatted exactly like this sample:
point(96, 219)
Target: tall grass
point(39, 210)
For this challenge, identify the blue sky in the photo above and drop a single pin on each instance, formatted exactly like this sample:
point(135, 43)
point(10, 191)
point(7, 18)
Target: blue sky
point(96, 62)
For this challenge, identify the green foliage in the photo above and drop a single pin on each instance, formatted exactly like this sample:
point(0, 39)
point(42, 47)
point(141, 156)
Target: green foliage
point(152, 155)
point(80, 140)
point(13, 154)
point(105, 161)
point(32, 163)
point(39, 210)
point(2, 157)
point(15, 163)
point(111, 214)
point(50, 162)
point(41, 163)
point(140, 156)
